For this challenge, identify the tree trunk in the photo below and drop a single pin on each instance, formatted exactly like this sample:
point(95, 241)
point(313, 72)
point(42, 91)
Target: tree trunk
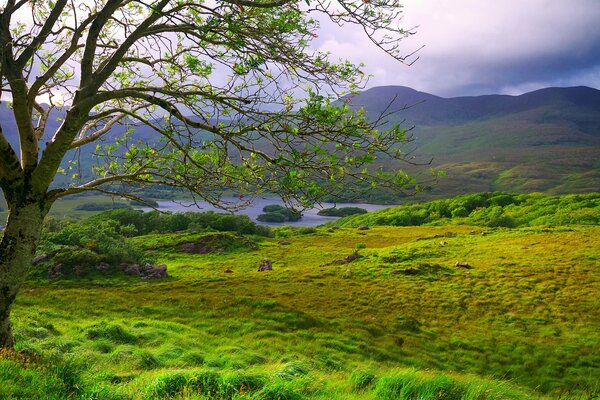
point(17, 248)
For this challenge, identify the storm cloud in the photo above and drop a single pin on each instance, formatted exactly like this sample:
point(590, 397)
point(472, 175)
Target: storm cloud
point(479, 47)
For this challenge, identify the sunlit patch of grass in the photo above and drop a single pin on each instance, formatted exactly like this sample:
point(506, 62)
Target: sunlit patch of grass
point(525, 313)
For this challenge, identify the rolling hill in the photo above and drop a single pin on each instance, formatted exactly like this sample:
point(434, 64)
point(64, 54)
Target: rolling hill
point(547, 140)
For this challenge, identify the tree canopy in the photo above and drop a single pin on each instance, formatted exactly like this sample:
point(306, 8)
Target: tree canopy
point(231, 90)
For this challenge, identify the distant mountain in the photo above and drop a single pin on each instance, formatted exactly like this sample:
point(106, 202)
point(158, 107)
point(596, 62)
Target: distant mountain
point(547, 140)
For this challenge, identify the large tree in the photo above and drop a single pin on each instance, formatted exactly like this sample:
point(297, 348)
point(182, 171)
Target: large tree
point(232, 90)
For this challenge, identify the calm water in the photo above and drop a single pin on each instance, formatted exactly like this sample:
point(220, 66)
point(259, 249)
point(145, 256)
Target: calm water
point(309, 217)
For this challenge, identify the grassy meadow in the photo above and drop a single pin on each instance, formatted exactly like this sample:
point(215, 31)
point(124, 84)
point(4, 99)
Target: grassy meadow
point(399, 322)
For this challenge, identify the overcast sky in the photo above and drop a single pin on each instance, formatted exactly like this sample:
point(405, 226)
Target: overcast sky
point(477, 47)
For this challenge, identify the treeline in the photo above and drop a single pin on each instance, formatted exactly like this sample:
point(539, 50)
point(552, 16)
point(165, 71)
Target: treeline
point(494, 209)
point(102, 238)
point(135, 223)
point(278, 213)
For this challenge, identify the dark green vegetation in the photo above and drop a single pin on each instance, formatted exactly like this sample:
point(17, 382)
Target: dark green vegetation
point(489, 209)
point(101, 206)
point(277, 213)
point(399, 322)
point(547, 140)
point(80, 246)
point(341, 212)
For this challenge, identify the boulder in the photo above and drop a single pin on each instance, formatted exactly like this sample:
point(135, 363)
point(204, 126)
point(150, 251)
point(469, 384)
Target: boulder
point(133, 269)
point(265, 265)
point(40, 258)
point(363, 228)
point(348, 259)
point(351, 257)
point(103, 267)
point(462, 264)
point(150, 271)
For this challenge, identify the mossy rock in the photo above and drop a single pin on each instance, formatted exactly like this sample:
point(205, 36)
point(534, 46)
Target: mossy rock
point(217, 243)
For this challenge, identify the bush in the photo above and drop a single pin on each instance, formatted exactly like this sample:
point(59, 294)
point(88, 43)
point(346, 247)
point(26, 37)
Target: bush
point(271, 217)
point(341, 212)
point(490, 209)
point(87, 243)
point(277, 213)
point(156, 222)
point(273, 208)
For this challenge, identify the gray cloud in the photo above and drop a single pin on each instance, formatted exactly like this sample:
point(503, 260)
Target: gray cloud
point(477, 47)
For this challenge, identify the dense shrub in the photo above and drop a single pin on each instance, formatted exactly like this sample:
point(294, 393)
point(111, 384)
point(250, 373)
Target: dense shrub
point(273, 208)
point(341, 212)
point(271, 217)
point(87, 243)
point(93, 206)
point(134, 223)
point(489, 209)
point(277, 213)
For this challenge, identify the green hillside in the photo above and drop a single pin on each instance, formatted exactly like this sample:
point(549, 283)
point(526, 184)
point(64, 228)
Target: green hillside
point(400, 320)
point(493, 209)
point(547, 141)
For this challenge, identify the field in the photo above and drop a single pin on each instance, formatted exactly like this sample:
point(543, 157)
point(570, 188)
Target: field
point(399, 322)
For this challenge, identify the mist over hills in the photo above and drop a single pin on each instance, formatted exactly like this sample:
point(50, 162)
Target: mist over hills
point(547, 140)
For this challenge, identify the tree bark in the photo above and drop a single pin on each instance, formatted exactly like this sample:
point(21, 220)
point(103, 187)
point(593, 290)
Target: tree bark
point(20, 239)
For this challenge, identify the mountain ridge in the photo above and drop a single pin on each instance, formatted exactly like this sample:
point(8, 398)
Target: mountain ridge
point(547, 140)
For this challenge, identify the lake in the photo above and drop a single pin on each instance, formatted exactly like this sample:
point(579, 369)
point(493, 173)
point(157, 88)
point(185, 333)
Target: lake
point(309, 216)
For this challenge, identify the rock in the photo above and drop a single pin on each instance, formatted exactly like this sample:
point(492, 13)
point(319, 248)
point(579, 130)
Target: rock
point(103, 267)
point(216, 243)
point(351, 257)
point(407, 271)
point(133, 269)
point(228, 271)
point(154, 271)
point(345, 260)
point(363, 228)
point(196, 248)
point(462, 264)
point(265, 265)
point(284, 242)
point(55, 271)
point(330, 230)
point(443, 243)
point(39, 259)
point(146, 271)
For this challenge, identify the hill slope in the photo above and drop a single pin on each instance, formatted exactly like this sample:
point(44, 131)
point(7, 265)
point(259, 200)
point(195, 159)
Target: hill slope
point(547, 140)
point(400, 321)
